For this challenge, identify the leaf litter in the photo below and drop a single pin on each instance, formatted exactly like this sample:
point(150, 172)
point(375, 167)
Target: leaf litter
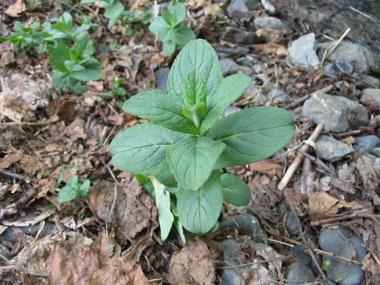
point(115, 238)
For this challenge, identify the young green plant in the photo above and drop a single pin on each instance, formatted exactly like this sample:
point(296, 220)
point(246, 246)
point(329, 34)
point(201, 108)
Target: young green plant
point(170, 28)
point(186, 143)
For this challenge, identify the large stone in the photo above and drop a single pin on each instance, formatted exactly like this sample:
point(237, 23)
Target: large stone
point(299, 274)
point(367, 143)
point(273, 23)
point(343, 242)
point(301, 52)
point(335, 112)
point(358, 55)
point(372, 95)
point(331, 149)
point(228, 66)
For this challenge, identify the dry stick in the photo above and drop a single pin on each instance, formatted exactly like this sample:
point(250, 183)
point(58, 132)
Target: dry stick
point(14, 207)
point(328, 88)
point(316, 250)
point(14, 175)
point(42, 123)
point(345, 217)
point(334, 46)
point(296, 163)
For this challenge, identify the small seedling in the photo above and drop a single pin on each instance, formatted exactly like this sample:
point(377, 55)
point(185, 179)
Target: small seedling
point(186, 143)
point(114, 10)
point(74, 64)
point(326, 265)
point(117, 90)
point(73, 189)
point(170, 28)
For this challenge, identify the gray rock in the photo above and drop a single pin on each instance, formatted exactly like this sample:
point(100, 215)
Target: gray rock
point(372, 95)
point(245, 70)
point(230, 110)
point(250, 223)
point(291, 221)
point(237, 5)
point(255, 94)
point(228, 66)
point(267, 22)
point(268, 6)
point(299, 274)
point(299, 253)
point(301, 52)
point(246, 60)
point(331, 149)
point(278, 95)
point(231, 276)
point(376, 151)
point(252, 4)
point(335, 112)
point(161, 75)
point(343, 242)
point(367, 143)
point(329, 68)
point(236, 35)
point(344, 66)
point(257, 68)
point(372, 81)
point(362, 59)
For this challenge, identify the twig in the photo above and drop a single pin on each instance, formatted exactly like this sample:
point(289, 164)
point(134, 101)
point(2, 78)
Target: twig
point(316, 250)
point(14, 175)
point(54, 119)
point(109, 170)
point(317, 161)
point(345, 217)
point(255, 262)
point(294, 166)
point(14, 207)
point(334, 46)
point(328, 88)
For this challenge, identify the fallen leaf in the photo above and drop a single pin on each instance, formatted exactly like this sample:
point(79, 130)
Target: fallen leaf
point(15, 9)
point(192, 265)
point(267, 166)
point(76, 130)
point(130, 215)
point(322, 205)
point(369, 264)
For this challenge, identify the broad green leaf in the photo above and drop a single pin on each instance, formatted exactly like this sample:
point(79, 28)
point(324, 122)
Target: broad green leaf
point(85, 189)
point(163, 33)
point(60, 79)
point(159, 108)
point(195, 89)
point(178, 13)
point(179, 228)
point(235, 191)
point(165, 215)
point(142, 149)
point(88, 1)
point(70, 191)
point(114, 11)
point(87, 74)
point(199, 210)
point(168, 47)
point(230, 89)
point(192, 160)
point(252, 134)
point(196, 55)
point(84, 48)
point(167, 16)
point(157, 24)
point(183, 35)
point(58, 56)
point(72, 66)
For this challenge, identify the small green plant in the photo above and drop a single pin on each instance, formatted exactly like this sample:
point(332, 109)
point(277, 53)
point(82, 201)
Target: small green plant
point(114, 10)
point(74, 64)
point(170, 28)
point(30, 37)
point(326, 265)
point(186, 143)
point(117, 90)
point(73, 189)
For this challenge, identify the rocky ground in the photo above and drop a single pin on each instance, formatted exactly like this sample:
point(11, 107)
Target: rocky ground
point(313, 218)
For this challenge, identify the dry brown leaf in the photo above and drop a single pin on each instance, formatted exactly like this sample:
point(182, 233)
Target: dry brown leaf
point(322, 205)
point(15, 9)
point(76, 130)
point(130, 214)
point(7, 160)
point(192, 265)
point(369, 264)
point(267, 166)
